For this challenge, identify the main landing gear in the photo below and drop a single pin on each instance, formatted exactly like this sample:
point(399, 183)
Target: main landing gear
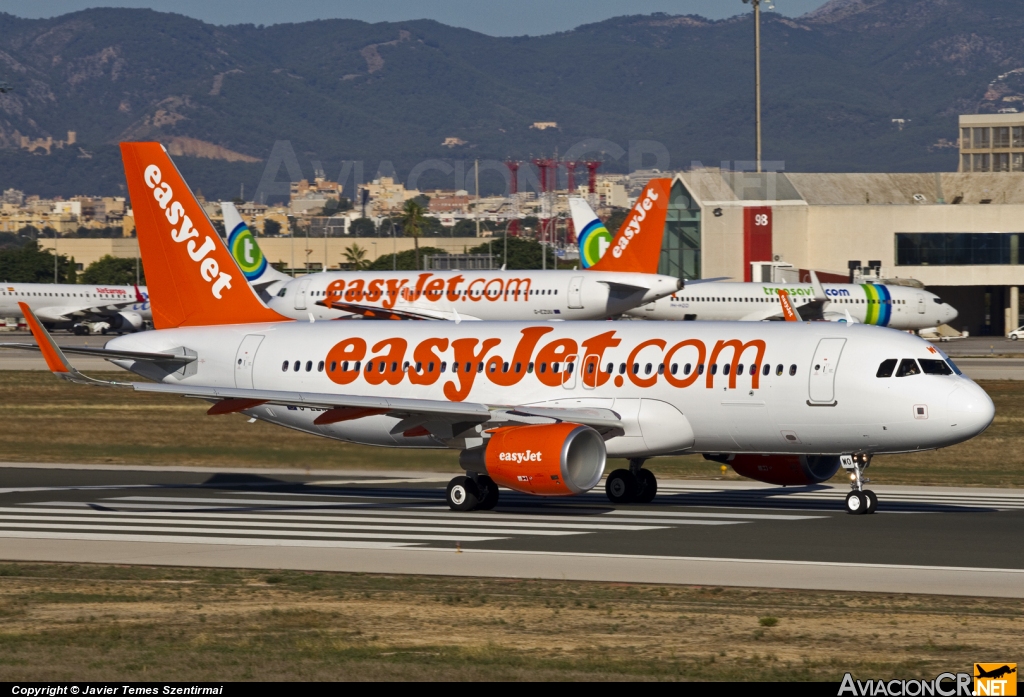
point(635, 485)
point(860, 500)
point(477, 492)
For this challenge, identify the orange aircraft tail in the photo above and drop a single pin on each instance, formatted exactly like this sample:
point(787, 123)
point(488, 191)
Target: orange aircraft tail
point(637, 245)
point(192, 278)
point(788, 310)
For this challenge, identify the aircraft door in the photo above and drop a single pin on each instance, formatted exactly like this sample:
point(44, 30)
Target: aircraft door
point(922, 307)
point(244, 360)
point(300, 294)
point(576, 293)
point(821, 388)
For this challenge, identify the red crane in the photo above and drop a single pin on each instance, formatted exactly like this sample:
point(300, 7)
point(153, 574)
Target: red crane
point(513, 191)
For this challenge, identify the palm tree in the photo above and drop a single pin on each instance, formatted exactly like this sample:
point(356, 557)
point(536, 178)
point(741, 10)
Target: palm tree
point(412, 224)
point(356, 257)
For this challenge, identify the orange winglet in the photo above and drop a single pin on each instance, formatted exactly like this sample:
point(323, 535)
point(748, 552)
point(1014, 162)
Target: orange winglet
point(787, 307)
point(637, 245)
point(54, 359)
point(233, 406)
point(333, 416)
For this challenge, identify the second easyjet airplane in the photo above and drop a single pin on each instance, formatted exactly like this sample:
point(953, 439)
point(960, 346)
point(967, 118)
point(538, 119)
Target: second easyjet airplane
point(612, 287)
point(534, 407)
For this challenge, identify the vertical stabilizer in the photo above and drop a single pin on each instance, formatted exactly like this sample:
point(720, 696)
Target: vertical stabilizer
point(192, 279)
point(594, 238)
point(246, 251)
point(637, 245)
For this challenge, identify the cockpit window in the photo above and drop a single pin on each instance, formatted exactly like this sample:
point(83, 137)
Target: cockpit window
point(281, 293)
point(886, 369)
point(938, 301)
point(933, 366)
point(908, 366)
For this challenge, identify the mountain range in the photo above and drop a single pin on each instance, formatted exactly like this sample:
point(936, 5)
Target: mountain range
point(857, 85)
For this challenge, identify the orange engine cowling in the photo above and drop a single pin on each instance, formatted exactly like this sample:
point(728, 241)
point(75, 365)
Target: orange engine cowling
point(786, 470)
point(548, 460)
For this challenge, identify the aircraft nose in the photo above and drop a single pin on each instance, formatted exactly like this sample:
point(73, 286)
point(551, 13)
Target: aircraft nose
point(949, 313)
point(970, 409)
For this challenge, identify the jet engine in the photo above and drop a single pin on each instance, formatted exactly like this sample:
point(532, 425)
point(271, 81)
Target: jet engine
point(786, 470)
point(547, 460)
point(126, 322)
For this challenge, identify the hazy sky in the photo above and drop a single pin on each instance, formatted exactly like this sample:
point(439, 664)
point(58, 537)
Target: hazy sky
point(508, 18)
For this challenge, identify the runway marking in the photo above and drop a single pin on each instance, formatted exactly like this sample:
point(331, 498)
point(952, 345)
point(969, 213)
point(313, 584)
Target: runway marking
point(184, 539)
point(142, 516)
point(399, 534)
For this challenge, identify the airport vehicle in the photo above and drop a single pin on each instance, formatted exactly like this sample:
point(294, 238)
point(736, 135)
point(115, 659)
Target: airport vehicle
point(899, 307)
point(534, 407)
point(80, 308)
point(604, 291)
point(1016, 334)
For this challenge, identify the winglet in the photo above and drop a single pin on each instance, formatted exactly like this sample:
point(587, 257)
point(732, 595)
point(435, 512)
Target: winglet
point(55, 359)
point(788, 311)
point(819, 290)
point(138, 296)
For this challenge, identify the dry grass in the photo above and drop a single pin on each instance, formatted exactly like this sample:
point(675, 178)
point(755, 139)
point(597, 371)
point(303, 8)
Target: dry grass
point(79, 622)
point(47, 420)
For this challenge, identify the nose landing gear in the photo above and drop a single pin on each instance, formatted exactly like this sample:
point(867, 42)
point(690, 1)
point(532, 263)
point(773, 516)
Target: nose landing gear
point(860, 500)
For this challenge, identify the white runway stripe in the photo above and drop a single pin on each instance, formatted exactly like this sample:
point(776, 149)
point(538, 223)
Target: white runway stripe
point(397, 534)
point(300, 528)
point(318, 521)
point(185, 539)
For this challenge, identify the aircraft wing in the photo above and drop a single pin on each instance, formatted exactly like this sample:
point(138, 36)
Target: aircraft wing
point(440, 418)
point(372, 312)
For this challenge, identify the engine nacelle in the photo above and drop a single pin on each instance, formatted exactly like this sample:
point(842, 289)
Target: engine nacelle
point(787, 470)
point(126, 322)
point(546, 460)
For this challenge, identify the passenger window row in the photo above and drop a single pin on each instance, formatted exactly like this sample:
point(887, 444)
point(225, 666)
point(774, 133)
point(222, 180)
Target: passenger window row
point(908, 366)
point(568, 367)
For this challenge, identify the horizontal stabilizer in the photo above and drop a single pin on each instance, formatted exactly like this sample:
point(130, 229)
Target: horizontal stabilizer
point(110, 354)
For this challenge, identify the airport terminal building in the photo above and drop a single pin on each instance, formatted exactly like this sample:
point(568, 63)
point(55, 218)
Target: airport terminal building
point(957, 233)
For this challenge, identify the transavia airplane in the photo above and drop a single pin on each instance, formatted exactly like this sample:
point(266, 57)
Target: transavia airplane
point(609, 288)
point(899, 307)
point(534, 407)
point(71, 306)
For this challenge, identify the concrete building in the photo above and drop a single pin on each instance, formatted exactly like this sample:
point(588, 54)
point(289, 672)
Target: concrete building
point(958, 233)
point(992, 143)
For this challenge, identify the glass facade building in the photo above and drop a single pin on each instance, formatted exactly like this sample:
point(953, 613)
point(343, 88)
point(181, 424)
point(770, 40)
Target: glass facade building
point(957, 248)
point(680, 248)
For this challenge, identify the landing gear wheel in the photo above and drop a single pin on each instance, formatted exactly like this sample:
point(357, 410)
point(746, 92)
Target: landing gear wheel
point(621, 486)
point(647, 485)
point(462, 494)
point(872, 501)
point(856, 503)
point(488, 493)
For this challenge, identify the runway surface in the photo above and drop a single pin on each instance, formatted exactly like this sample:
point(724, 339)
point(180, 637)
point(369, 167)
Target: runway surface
point(923, 540)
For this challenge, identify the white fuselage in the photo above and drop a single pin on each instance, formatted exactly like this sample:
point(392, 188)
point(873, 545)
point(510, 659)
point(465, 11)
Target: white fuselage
point(899, 307)
point(678, 387)
point(61, 303)
point(483, 295)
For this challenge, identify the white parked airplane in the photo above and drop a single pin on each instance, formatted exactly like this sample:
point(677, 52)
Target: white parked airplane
point(534, 407)
point(899, 307)
point(77, 307)
point(603, 291)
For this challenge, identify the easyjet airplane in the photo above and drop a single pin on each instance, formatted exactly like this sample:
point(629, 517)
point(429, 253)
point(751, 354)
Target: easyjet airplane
point(75, 307)
point(534, 407)
point(607, 289)
point(899, 307)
